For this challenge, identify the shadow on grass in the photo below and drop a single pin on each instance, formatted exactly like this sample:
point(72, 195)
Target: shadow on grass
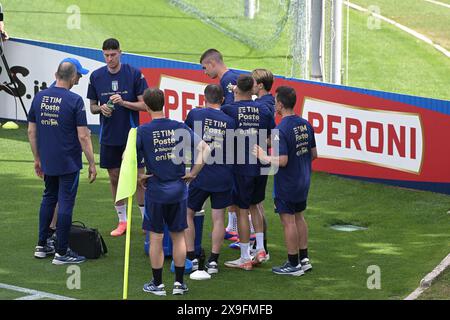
point(21, 135)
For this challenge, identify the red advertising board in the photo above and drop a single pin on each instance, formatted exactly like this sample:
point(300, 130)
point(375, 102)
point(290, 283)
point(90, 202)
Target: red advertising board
point(357, 134)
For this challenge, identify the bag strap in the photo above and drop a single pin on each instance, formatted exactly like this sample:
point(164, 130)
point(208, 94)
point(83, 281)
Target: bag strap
point(79, 223)
point(104, 247)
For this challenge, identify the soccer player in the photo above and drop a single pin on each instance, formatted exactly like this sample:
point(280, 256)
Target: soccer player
point(123, 86)
point(297, 149)
point(214, 67)
point(165, 184)
point(264, 82)
point(57, 130)
point(215, 180)
point(252, 119)
point(80, 72)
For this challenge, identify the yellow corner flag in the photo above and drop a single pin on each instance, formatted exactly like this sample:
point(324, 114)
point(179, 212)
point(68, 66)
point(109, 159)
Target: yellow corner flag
point(126, 189)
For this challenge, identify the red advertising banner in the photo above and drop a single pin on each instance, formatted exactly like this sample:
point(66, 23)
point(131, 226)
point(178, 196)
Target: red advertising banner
point(357, 134)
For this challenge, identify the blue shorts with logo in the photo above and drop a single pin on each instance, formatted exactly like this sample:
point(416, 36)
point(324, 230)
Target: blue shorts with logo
point(249, 190)
point(111, 157)
point(288, 207)
point(197, 197)
point(158, 214)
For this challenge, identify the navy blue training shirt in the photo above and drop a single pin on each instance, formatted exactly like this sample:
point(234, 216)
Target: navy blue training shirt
point(57, 113)
point(212, 125)
point(129, 83)
point(269, 101)
point(296, 139)
point(155, 142)
point(250, 117)
point(228, 79)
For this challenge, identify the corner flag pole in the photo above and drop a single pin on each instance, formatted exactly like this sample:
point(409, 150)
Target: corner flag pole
point(125, 190)
point(127, 248)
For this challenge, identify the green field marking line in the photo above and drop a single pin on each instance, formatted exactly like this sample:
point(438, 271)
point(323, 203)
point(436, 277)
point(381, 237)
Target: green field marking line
point(401, 27)
point(426, 282)
point(33, 294)
point(439, 3)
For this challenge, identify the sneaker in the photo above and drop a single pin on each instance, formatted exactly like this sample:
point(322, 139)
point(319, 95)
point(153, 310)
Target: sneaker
point(252, 252)
point(120, 230)
point(42, 252)
point(288, 269)
point(156, 290)
point(179, 288)
point(306, 265)
point(51, 241)
point(261, 256)
point(212, 267)
point(235, 245)
point(69, 258)
point(240, 263)
point(194, 265)
point(230, 234)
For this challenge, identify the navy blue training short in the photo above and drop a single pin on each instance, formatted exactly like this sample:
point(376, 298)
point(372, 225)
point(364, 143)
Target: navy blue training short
point(288, 207)
point(249, 190)
point(111, 157)
point(158, 214)
point(197, 197)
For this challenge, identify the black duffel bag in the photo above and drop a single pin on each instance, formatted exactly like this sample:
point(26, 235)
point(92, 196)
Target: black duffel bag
point(86, 242)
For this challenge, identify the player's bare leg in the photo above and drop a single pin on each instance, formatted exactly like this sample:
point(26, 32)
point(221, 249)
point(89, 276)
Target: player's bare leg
point(120, 206)
point(291, 237)
point(258, 225)
point(218, 229)
point(156, 250)
point(302, 229)
point(189, 234)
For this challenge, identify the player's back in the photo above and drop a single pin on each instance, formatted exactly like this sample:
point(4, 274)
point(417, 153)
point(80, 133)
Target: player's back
point(254, 122)
point(296, 139)
point(156, 142)
point(57, 113)
point(212, 125)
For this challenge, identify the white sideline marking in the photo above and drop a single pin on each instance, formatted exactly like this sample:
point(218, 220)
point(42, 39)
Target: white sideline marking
point(439, 3)
point(32, 297)
point(402, 27)
point(425, 283)
point(33, 294)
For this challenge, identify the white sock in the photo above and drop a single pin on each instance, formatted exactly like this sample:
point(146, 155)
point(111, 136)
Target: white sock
point(142, 208)
point(122, 213)
point(252, 230)
point(232, 222)
point(259, 241)
point(245, 251)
